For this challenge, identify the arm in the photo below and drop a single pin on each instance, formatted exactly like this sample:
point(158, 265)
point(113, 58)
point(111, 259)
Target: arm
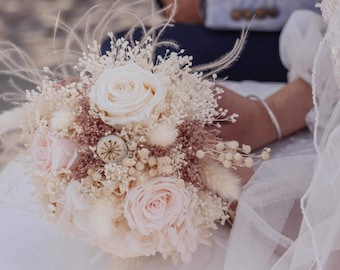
point(188, 11)
point(254, 126)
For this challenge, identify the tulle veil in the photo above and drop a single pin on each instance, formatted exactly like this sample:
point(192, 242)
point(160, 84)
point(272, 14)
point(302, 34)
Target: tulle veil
point(288, 215)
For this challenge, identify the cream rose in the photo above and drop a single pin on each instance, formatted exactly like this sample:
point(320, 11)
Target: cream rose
point(158, 204)
point(127, 94)
point(49, 153)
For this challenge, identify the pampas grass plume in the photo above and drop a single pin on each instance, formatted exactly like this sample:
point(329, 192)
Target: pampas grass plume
point(221, 180)
point(10, 120)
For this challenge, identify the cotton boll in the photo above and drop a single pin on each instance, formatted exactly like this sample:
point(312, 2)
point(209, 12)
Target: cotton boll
point(74, 200)
point(100, 219)
point(62, 120)
point(221, 180)
point(163, 135)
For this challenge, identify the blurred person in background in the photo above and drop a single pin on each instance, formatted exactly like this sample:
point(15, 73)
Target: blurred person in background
point(208, 29)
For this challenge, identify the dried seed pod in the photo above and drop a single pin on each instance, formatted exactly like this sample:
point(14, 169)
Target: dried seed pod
point(111, 149)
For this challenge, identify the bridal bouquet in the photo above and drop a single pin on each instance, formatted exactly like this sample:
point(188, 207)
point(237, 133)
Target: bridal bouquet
point(124, 155)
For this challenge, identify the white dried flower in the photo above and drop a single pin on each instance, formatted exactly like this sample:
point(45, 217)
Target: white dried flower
point(163, 135)
point(143, 153)
point(128, 162)
point(221, 157)
point(227, 164)
point(166, 169)
point(265, 154)
point(142, 180)
point(181, 183)
point(97, 176)
point(229, 156)
point(200, 154)
point(237, 156)
point(140, 166)
point(153, 173)
point(132, 171)
point(62, 120)
point(233, 144)
point(220, 146)
point(246, 148)
point(90, 171)
point(132, 146)
point(152, 161)
point(163, 161)
point(249, 162)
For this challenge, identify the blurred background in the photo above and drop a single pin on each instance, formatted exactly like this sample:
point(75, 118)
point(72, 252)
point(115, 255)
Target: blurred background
point(30, 24)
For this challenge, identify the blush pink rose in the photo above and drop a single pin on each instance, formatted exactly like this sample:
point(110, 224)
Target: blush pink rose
point(50, 153)
point(158, 204)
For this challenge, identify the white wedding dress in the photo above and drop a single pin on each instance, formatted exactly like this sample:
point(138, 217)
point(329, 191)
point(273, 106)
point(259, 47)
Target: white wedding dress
point(288, 215)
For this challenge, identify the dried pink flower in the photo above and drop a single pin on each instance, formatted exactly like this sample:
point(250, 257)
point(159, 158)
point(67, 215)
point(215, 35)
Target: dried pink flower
point(192, 136)
point(86, 161)
point(93, 128)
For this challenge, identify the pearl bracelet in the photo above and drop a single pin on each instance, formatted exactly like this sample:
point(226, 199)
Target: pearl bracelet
point(270, 113)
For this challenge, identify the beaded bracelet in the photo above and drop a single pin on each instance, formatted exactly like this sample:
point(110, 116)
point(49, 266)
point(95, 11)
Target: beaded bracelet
point(270, 113)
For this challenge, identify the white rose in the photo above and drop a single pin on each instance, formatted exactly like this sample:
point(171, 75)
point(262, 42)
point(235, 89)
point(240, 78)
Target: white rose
point(127, 94)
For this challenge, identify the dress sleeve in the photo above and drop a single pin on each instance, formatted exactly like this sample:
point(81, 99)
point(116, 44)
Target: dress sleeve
point(299, 42)
point(261, 15)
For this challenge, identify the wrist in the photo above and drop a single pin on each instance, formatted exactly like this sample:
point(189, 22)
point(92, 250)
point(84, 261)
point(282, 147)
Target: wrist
point(267, 106)
point(253, 126)
point(263, 128)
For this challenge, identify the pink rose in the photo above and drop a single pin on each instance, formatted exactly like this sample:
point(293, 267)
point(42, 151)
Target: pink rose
point(50, 153)
point(158, 204)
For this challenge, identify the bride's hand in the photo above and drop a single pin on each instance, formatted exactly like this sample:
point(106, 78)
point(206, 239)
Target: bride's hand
point(254, 126)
